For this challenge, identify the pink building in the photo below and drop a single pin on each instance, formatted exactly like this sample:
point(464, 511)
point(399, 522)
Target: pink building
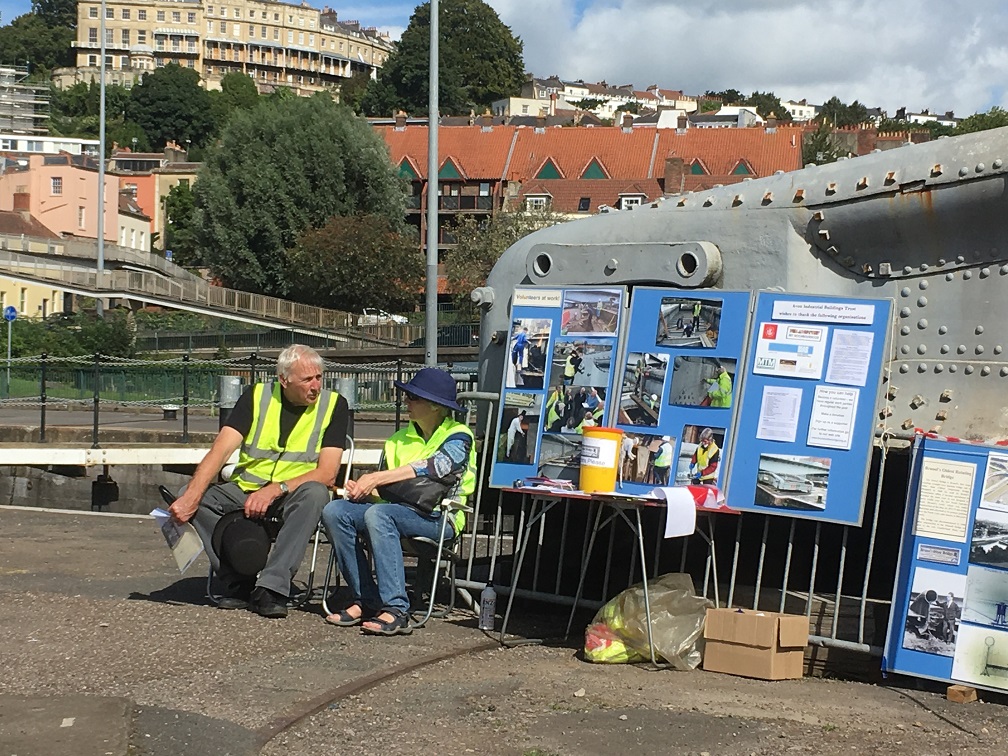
point(62, 193)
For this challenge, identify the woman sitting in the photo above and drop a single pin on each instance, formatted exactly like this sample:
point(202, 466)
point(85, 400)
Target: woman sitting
point(432, 457)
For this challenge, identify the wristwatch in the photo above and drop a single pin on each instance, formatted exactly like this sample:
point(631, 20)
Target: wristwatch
point(283, 488)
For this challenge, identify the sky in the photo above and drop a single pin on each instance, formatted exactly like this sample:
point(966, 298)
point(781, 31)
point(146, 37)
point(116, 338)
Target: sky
point(938, 55)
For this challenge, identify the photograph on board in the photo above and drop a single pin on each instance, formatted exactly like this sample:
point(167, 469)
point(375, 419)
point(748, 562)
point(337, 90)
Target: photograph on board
point(569, 409)
point(590, 312)
point(519, 427)
point(986, 597)
point(582, 363)
point(989, 544)
point(637, 457)
point(702, 381)
point(560, 457)
point(686, 322)
point(995, 489)
point(643, 383)
point(792, 482)
point(699, 462)
point(527, 347)
point(981, 657)
point(936, 605)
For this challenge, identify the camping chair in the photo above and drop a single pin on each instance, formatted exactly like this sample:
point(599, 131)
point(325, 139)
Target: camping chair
point(444, 553)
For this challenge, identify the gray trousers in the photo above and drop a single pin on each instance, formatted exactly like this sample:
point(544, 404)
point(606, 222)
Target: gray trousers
point(301, 511)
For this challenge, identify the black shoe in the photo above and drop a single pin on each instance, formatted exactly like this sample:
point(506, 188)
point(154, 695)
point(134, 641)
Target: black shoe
point(267, 603)
point(233, 602)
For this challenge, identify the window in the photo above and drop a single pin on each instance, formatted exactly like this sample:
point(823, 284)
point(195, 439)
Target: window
point(300, 38)
point(122, 236)
point(159, 62)
point(159, 15)
point(93, 12)
point(276, 16)
point(252, 13)
point(141, 37)
point(124, 61)
point(251, 30)
point(236, 30)
point(133, 238)
point(110, 13)
point(223, 27)
point(184, 182)
point(109, 37)
point(81, 211)
point(484, 189)
point(290, 37)
point(237, 12)
point(24, 299)
point(125, 14)
point(584, 204)
point(192, 45)
point(209, 27)
point(209, 10)
point(176, 45)
point(159, 43)
point(191, 18)
point(56, 183)
point(92, 61)
point(176, 17)
point(536, 203)
point(235, 55)
point(311, 40)
point(125, 37)
point(190, 63)
point(141, 15)
point(262, 32)
point(629, 203)
point(92, 35)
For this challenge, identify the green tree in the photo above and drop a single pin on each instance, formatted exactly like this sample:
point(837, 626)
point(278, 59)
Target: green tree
point(56, 13)
point(821, 146)
point(358, 261)
point(170, 105)
point(180, 234)
point(352, 90)
point(480, 243)
point(480, 61)
point(286, 166)
point(767, 103)
point(727, 96)
point(839, 114)
point(995, 118)
point(29, 39)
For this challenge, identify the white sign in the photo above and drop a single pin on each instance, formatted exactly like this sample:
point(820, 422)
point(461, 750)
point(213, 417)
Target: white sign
point(825, 312)
point(832, 421)
point(779, 410)
point(537, 298)
point(790, 350)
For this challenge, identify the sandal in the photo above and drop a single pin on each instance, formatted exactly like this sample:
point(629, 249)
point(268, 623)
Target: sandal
point(398, 625)
point(343, 618)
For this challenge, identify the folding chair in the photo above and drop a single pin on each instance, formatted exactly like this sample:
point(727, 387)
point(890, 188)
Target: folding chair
point(444, 553)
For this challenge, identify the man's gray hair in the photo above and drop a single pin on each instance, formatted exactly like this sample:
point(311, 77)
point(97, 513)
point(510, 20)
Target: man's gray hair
point(290, 356)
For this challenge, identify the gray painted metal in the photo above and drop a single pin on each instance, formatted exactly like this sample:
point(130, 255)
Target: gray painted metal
point(921, 224)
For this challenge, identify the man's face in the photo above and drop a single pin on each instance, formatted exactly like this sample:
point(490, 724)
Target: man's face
point(304, 384)
point(705, 442)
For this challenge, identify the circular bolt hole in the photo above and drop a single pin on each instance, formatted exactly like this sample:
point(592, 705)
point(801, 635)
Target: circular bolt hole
point(542, 264)
point(687, 264)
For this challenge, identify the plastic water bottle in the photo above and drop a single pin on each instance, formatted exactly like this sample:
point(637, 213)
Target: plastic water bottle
point(488, 607)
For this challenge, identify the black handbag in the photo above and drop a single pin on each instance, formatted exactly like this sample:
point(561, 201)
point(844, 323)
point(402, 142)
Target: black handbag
point(422, 493)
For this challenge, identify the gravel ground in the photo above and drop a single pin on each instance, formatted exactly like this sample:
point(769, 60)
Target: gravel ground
point(93, 605)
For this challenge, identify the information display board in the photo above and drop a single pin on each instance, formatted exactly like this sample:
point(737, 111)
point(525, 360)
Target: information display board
point(948, 612)
point(557, 379)
point(807, 411)
point(676, 386)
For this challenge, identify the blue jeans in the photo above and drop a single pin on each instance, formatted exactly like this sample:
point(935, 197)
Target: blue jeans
point(381, 525)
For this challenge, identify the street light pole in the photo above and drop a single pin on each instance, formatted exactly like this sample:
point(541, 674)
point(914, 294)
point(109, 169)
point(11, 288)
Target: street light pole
point(432, 186)
point(101, 164)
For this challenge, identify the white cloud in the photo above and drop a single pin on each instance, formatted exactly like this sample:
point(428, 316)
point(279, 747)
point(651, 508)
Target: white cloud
point(948, 55)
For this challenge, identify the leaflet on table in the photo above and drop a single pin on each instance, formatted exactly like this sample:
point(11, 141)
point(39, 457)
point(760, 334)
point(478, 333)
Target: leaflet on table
point(680, 513)
point(791, 350)
point(181, 537)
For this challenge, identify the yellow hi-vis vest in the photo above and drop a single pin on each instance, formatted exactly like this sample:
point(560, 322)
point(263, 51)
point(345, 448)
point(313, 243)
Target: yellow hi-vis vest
point(406, 445)
point(552, 412)
point(262, 460)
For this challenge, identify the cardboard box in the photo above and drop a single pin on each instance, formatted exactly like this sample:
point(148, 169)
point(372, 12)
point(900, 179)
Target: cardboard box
point(765, 645)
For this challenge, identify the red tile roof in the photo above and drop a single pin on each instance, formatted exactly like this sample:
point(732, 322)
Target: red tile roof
point(16, 222)
point(721, 149)
point(566, 194)
point(478, 154)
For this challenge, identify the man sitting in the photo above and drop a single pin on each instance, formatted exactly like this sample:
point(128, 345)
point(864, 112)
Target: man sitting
point(291, 435)
point(430, 458)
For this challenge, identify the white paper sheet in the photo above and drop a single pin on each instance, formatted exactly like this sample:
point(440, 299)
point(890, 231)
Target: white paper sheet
point(849, 357)
point(832, 422)
point(778, 417)
point(680, 515)
point(181, 537)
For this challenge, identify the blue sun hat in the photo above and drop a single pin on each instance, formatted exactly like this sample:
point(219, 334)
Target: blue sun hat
point(434, 385)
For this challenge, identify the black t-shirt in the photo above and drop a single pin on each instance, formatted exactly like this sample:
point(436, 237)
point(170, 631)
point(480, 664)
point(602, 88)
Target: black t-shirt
point(335, 433)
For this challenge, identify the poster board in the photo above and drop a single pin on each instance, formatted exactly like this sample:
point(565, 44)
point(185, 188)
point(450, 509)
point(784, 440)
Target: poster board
point(807, 406)
point(947, 620)
point(678, 375)
point(558, 376)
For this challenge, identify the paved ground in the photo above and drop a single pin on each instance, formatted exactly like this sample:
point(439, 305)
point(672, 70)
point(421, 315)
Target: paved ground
point(105, 649)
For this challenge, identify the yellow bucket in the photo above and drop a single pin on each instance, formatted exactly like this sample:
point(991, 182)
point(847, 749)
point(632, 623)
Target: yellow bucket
point(600, 449)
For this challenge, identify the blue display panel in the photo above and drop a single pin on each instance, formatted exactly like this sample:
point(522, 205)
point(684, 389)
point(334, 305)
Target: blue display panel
point(677, 385)
point(806, 415)
point(557, 379)
point(948, 613)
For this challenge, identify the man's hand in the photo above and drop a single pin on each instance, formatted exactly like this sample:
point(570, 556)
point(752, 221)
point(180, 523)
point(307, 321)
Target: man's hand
point(259, 501)
point(364, 486)
point(185, 506)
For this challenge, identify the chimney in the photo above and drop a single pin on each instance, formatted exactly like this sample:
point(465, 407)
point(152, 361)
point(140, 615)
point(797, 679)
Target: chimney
point(771, 123)
point(400, 120)
point(681, 124)
point(540, 126)
point(22, 202)
point(472, 117)
point(627, 122)
point(675, 175)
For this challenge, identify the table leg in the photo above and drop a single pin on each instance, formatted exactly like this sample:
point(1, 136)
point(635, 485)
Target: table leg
point(524, 531)
point(584, 568)
point(644, 582)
